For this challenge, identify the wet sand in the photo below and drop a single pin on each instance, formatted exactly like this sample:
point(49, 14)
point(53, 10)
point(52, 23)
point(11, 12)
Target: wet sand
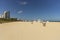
point(30, 31)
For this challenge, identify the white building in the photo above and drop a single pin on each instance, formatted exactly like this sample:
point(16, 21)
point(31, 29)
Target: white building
point(1, 16)
point(6, 14)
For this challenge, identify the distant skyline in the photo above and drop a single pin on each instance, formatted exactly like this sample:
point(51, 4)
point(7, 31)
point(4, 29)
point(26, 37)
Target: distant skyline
point(32, 9)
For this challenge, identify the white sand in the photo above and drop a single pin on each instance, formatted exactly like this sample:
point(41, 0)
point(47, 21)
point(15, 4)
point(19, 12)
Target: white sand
point(29, 31)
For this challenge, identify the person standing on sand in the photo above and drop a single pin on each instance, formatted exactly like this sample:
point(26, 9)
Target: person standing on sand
point(44, 24)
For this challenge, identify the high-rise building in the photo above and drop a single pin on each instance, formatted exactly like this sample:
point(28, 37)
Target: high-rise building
point(6, 14)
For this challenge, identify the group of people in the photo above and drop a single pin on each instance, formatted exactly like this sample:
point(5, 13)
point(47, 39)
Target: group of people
point(43, 23)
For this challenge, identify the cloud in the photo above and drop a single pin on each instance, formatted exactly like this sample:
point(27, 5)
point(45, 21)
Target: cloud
point(23, 3)
point(20, 11)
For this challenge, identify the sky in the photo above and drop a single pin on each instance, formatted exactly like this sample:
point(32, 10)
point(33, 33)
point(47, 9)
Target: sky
point(32, 9)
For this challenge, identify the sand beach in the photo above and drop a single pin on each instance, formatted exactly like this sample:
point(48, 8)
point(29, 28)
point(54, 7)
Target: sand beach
point(30, 31)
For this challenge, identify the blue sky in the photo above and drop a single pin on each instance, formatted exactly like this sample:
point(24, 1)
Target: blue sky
point(32, 9)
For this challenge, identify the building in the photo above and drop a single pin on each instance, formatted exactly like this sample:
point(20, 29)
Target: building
point(1, 16)
point(6, 14)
